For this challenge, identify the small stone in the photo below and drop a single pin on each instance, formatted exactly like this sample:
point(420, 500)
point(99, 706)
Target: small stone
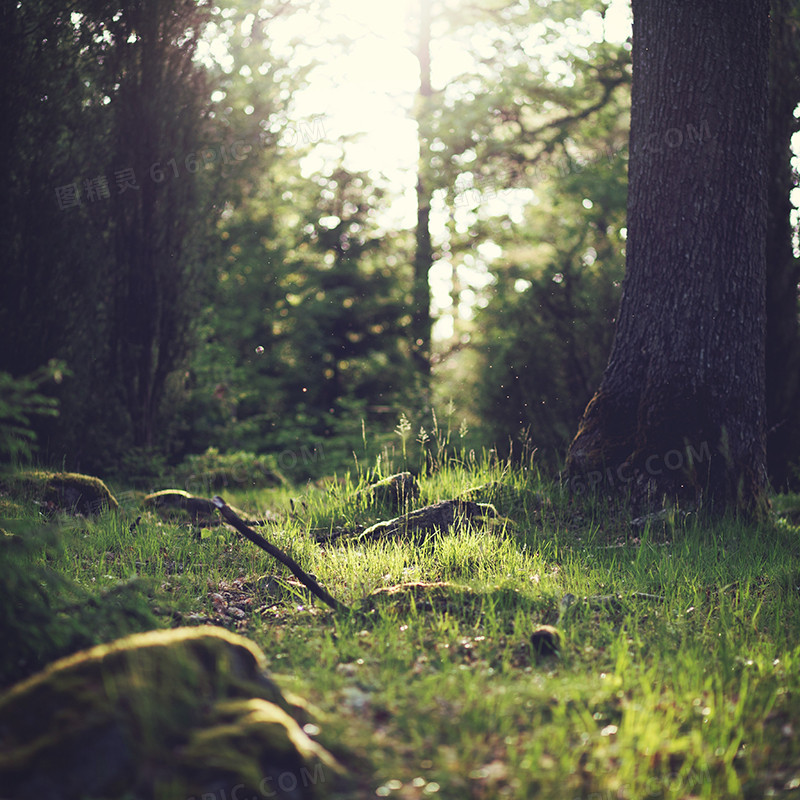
point(546, 640)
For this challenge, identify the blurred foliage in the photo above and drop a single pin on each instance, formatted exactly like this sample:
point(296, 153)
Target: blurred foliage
point(547, 330)
point(537, 186)
point(305, 336)
point(238, 303)
point(202, 474)
point(120, 152)
point(45, 615)
point(22, 399)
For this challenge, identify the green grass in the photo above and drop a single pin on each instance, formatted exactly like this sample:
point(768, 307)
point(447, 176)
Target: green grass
point(694, 696)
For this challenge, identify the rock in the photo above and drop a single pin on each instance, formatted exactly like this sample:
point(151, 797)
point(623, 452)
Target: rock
point(179, 713)
point(62, 491)
point(175, 502)
point(397, 491)
point(172, 503)
point(422, 595)
point(546, 640)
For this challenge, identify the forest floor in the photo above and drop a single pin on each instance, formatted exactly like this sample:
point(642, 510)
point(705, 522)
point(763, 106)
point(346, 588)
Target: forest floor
point(678, 674)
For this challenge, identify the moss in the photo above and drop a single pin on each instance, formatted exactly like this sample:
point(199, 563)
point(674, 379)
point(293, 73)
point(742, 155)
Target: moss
point(176, 502)
point(62, 491)
point(143, 711)
point(397, 491)
point(432, 596)
point(239, 734)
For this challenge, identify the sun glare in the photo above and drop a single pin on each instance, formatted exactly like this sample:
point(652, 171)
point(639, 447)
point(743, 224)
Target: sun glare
point(365, 93)
point(365, 90)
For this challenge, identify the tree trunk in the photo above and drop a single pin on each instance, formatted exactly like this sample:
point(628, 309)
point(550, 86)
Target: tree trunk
point(423, 255)
point(680, 412)
point(783, 269)
point(158, 118)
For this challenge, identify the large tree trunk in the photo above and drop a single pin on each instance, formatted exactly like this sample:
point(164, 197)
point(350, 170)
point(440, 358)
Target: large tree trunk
point(680, 412)
point(783, 269)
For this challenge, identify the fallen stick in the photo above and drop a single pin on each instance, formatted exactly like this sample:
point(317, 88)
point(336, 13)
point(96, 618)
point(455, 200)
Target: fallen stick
point(257, 539)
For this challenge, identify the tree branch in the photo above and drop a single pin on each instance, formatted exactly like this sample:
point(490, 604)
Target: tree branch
point(232, 519)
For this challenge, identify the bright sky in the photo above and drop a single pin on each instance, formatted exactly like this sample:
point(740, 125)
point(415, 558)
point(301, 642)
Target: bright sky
point(365, 95)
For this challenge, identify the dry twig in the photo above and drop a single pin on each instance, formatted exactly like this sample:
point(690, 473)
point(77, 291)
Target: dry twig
point(256, 538)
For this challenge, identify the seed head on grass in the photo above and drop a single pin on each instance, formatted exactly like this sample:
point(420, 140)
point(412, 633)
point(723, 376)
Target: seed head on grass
point(403, 430)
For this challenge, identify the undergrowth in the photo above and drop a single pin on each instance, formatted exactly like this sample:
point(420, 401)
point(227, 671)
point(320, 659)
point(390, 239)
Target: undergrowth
point(678, 676)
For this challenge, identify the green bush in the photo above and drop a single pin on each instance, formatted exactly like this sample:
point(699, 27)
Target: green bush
point(212, 470)
point(21, 399)
point(45, 615)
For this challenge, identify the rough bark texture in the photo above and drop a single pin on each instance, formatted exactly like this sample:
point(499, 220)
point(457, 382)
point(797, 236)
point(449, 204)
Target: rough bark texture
point(783, 269)
point(680, 412)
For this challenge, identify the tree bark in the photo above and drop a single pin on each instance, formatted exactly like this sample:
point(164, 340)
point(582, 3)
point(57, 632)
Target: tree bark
point(783, 269)
point(680, 412)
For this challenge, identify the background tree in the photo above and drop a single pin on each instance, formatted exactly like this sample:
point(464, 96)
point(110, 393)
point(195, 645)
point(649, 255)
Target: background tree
point(423, 253)
point(159, 138)
point(536, 162)
point(158, 298)
point(686, 373)
point(49, 114)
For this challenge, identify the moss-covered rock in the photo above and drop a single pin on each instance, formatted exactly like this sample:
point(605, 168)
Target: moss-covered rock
point(397, 491)
point(62, 491)
point(440, 596)
point(178, 713)
point(171, 503)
